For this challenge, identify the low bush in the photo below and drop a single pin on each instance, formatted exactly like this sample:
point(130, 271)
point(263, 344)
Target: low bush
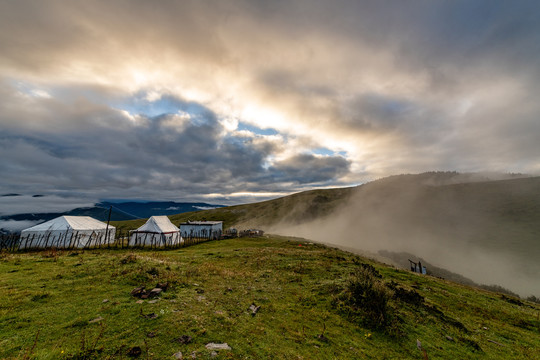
point(367, 297)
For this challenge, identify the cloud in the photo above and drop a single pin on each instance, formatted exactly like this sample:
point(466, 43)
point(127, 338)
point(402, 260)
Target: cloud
point(307, 168)
point(99, 151)
point(27, 204)
point(15, 226)
point(128, 99)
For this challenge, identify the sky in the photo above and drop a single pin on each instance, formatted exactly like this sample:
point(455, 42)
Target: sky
point(237, 101)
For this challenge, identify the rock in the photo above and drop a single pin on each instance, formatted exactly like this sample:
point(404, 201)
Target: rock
point(152, 301)
point(254, 308)
point(105, 301)
point(418, 344)
point(139, 301)
point(98, 319)
point(213, 354)
point(449, 338)
point(214, 346)
point(178, 355)
point(138, 292)
point(184, 339)
point(155, 292)
point(163, 286)
point(194, 355)
point(135, 351)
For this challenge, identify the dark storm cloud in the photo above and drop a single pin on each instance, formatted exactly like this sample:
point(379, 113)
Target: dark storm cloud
point(121, 155)
point(307, 168)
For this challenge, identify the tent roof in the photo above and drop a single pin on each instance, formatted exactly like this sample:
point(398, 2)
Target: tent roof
point(70, 222)
point(202, 223)
point(158, 224)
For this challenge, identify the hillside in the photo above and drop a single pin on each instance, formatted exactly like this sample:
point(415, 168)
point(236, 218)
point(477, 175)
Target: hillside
point(472, 225)
point(267, 298)
point(300, 207)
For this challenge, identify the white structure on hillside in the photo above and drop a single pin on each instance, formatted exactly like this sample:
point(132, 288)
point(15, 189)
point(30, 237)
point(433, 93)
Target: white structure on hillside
point(157, 231)
point(202, 229)
point(67, 232)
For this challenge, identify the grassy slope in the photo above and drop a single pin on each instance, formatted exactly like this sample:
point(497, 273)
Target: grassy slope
point(299, 207)
point(515, 202)
point(501, 216)
point(214, 283)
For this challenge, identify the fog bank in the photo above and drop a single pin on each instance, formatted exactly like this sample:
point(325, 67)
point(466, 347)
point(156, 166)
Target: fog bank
point(484, 231)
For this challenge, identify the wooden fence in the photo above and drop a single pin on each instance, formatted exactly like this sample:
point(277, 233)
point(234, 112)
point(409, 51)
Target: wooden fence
point(76, 240)
point(71, 240)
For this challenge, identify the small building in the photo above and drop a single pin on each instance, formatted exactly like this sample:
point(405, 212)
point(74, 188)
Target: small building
point(201, 229)
point(157, 231)
point(67, 232)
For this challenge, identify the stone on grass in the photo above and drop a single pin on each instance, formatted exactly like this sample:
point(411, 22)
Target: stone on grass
point(254, 308)
point(98, 319)
point(138, 292)
point(214, 346)
point(155, 292)
point(178, 355)
point(163, 286)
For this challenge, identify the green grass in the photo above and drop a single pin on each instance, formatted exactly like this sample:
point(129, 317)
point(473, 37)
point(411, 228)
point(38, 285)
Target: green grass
point(54, 296)
point(496, 220)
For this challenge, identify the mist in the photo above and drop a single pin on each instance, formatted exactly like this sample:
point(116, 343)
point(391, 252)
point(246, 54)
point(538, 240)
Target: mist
point(483, 231)
point(17, 225)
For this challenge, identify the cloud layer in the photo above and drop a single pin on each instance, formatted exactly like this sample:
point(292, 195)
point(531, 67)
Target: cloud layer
point(231, 100)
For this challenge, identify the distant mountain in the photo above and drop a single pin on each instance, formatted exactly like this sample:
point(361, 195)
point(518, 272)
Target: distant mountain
point(147, 209)
point(120, 211)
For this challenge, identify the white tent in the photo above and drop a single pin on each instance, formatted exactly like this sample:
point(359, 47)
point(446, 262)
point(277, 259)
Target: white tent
point(157, 231)
point(67, 232)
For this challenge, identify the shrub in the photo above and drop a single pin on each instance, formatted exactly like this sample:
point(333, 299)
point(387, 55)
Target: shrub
point(366, 296)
